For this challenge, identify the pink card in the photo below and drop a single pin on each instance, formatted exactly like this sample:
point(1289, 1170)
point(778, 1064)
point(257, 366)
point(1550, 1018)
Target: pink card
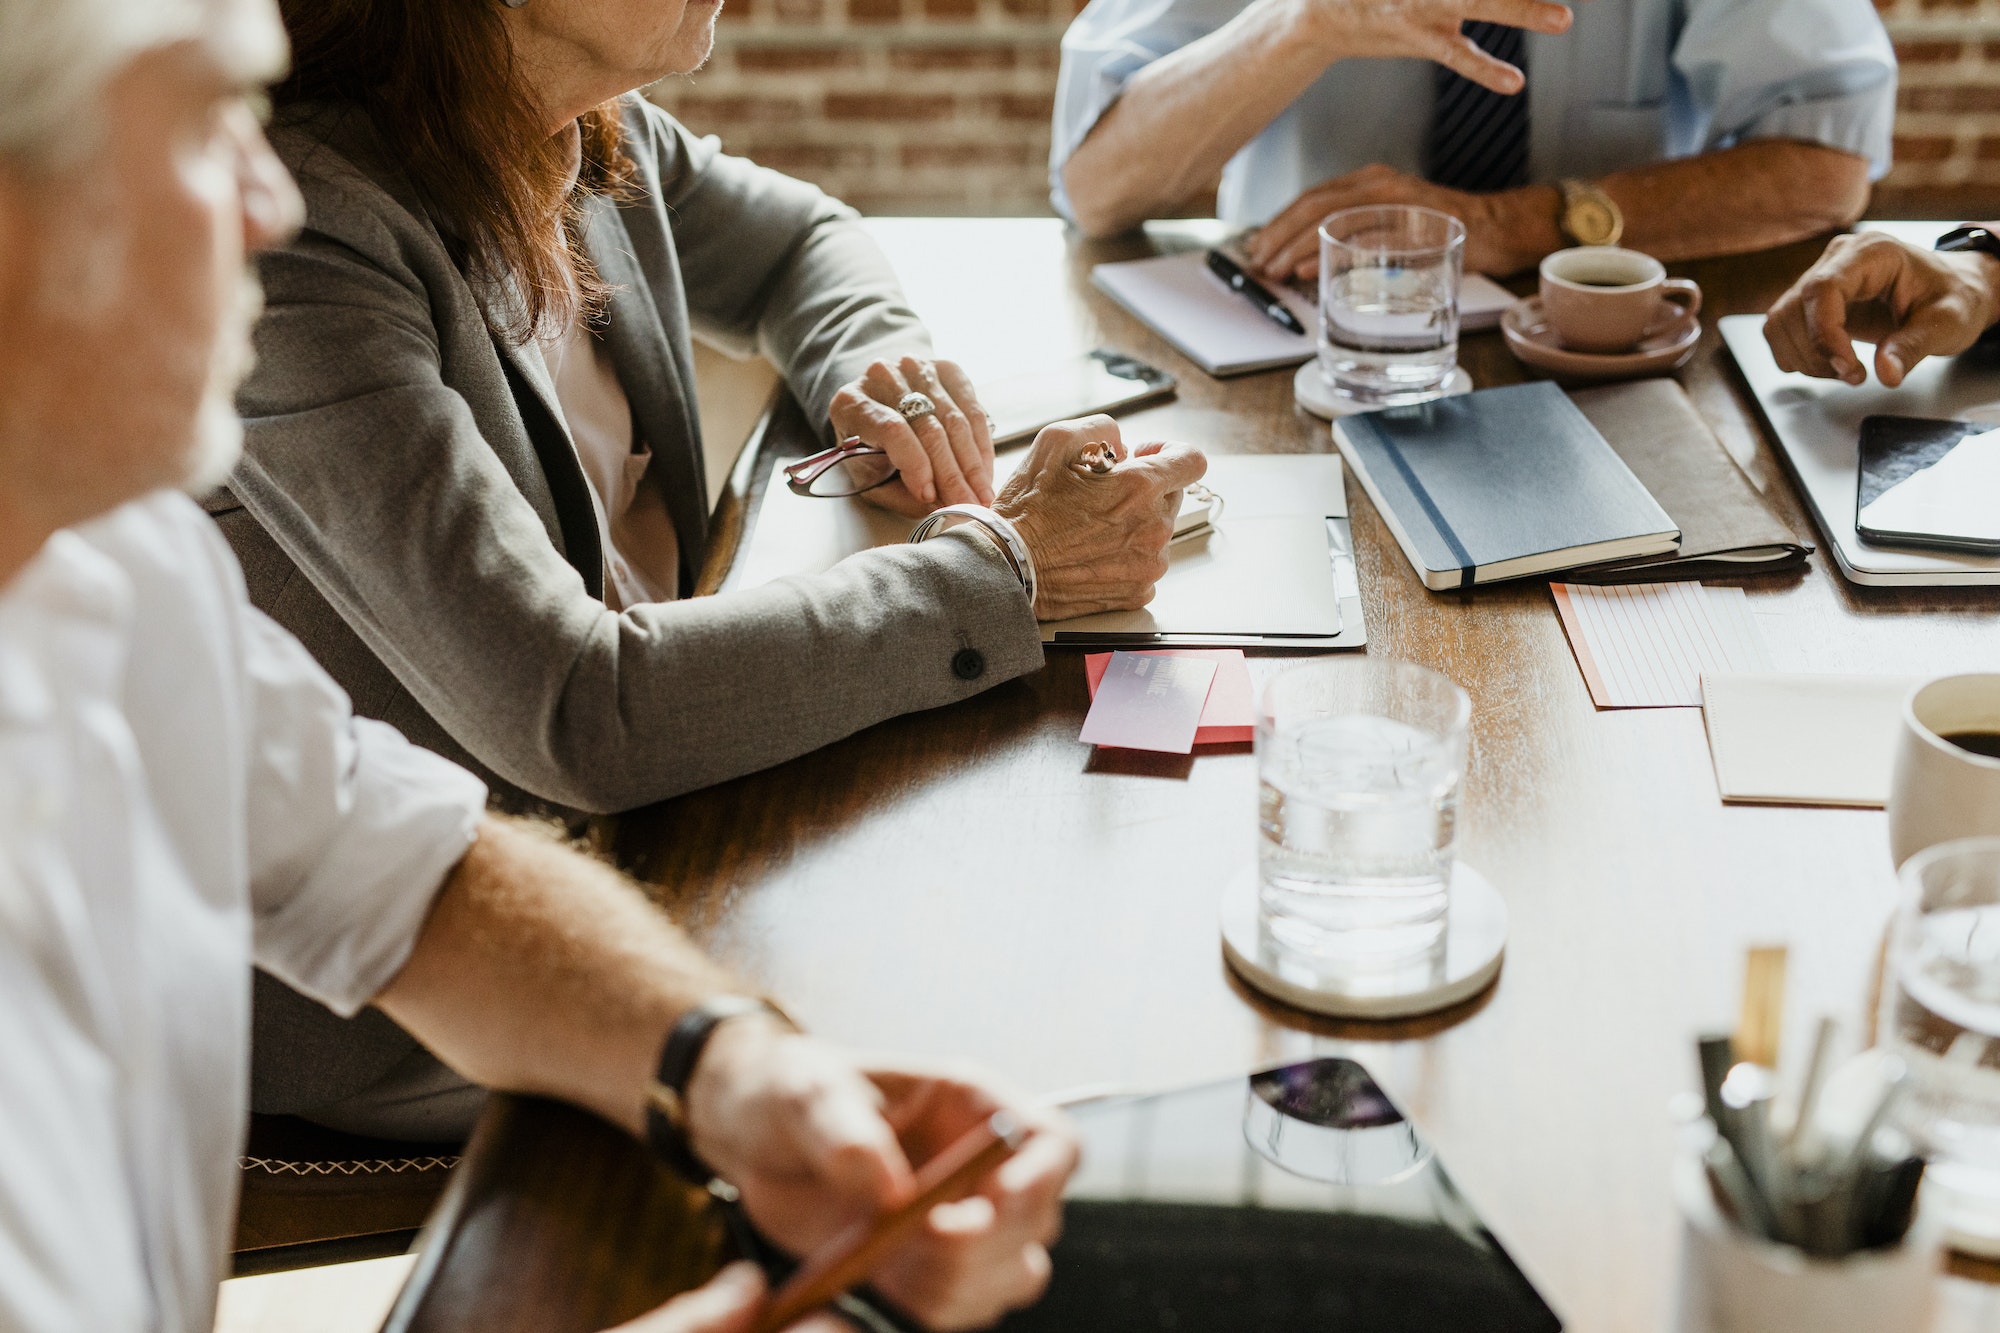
point(1230, 716)
point(1148, 702)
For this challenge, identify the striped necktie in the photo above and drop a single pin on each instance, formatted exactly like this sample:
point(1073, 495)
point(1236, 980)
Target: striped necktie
point(1479, 139)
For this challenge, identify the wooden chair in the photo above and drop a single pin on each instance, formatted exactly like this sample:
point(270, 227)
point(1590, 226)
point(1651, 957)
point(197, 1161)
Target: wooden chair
point(315, 1196)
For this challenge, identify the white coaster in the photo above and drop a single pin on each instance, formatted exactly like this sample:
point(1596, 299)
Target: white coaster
point(1475, 940)
point(1316, 396)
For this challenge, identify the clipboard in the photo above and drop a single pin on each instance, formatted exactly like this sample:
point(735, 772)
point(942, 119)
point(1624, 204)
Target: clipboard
point(1276, 570)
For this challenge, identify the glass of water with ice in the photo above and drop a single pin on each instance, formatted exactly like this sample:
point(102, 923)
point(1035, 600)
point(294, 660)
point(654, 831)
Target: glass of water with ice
point(1388, 302)
point(1359, 762)
point(1941, 1013)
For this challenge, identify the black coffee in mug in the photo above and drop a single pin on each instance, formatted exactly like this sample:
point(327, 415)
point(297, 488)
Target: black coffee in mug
point(1985, 743)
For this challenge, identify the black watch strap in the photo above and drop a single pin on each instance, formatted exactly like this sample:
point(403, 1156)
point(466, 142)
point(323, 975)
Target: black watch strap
point(1970, 236)
point(666, 1095)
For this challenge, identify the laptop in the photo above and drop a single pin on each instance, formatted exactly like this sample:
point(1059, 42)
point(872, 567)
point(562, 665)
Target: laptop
point(1817, 425)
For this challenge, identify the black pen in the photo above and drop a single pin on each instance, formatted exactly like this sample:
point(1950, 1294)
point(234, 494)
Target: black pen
point(1253, 291)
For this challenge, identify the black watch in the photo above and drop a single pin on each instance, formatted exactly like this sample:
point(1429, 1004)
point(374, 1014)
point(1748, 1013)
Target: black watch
point(1971, 236)
point(1976, 238)
point(666, 1095)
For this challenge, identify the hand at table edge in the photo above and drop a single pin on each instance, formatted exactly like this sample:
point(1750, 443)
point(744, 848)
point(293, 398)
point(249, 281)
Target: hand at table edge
point(815, 1138)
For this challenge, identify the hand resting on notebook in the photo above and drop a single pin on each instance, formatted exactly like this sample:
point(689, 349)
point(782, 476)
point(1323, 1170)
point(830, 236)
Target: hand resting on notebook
point(1099, 541)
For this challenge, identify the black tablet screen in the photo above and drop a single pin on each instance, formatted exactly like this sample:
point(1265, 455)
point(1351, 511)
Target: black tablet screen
point(1929, 483)
point(1297, 1199)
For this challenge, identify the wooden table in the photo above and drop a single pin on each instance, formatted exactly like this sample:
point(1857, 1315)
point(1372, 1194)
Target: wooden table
point(976, 881)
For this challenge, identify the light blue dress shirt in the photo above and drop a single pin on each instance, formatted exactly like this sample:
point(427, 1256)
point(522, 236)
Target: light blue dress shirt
point(1632, 82)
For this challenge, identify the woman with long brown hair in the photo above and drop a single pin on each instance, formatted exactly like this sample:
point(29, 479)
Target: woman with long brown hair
point(473, 481)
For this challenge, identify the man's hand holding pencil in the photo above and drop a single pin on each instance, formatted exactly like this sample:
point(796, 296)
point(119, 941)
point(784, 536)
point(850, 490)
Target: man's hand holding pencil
point(937, 1187)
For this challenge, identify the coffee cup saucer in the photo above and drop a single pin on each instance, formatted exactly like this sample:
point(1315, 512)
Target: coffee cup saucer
point(1666, 345)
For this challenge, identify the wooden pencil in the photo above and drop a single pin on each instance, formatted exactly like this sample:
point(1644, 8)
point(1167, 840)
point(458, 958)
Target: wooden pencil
point(853, 1254)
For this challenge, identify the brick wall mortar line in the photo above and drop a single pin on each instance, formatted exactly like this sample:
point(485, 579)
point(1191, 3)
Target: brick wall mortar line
point(1936, 27)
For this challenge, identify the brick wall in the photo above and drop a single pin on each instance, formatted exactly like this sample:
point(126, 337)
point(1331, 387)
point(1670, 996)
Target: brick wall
point(942, 106)
point(897, 106)
point(1948, 109)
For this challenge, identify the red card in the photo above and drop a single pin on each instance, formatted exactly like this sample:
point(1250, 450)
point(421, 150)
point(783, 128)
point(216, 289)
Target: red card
point(1230, 715)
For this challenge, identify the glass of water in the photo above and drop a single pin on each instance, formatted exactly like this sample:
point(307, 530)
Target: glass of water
point(1941, 1013)
point(1359, 762)
point(1388, 302)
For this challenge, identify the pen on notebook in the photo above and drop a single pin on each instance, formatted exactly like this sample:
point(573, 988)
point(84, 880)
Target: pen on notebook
point(850, 1256)
point(1255, 292)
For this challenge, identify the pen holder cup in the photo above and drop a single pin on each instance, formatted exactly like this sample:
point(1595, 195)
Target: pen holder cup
point(1734, 1282)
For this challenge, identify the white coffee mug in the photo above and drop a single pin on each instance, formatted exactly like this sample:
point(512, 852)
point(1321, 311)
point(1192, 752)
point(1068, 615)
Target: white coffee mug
point(1940, 791)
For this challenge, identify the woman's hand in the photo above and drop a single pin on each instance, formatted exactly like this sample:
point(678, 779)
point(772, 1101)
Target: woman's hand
point(945, 457)
point(1099, 542)
point(815, 1139)
point(1910, 303)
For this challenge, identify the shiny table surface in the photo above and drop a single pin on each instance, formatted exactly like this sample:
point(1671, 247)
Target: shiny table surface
point(976, 881)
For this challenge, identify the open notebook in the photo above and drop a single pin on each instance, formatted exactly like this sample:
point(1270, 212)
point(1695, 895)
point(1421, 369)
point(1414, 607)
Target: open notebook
point(1212, 326)
point(1275, 570)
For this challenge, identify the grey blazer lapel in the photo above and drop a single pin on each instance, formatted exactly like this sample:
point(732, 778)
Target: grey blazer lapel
point(541, 417)
point(659, 386)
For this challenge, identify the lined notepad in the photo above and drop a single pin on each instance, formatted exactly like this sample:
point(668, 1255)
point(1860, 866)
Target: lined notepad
point(1648, 645)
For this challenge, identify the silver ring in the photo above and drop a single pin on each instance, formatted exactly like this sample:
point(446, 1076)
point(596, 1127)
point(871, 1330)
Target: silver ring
point(1096, 459)
point(913, 405)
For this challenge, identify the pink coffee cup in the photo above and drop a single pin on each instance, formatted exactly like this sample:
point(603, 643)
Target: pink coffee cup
point(1600, 298)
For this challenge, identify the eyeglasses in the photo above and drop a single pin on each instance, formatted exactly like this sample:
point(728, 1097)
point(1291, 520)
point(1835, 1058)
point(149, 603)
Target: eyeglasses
point(848, 468)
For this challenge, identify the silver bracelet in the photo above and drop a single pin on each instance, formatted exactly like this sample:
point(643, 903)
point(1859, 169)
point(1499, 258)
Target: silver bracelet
point(1004, 532)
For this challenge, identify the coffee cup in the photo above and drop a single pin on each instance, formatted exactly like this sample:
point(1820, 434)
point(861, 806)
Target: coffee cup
point(1600, 298)
point(1946, 781)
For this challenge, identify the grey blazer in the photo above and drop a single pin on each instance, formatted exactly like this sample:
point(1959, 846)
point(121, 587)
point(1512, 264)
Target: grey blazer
point(411, 506)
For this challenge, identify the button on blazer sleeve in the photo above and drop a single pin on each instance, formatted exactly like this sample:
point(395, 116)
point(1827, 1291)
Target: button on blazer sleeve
point(388, 465)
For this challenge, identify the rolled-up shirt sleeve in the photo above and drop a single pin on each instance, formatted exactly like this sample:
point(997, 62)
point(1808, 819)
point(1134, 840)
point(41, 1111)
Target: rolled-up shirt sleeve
point(1822, 71)
point(352, 829)
point(1109, 42)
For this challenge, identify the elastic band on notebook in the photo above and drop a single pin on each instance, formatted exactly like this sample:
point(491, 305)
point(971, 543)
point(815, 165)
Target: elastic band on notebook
point(1466, 569)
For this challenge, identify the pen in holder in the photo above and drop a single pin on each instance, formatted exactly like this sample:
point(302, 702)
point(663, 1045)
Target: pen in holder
point(1733, 1281)
point(1799, 1213)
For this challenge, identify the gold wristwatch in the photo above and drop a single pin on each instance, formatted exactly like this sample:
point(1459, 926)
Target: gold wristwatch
point(1588, 216)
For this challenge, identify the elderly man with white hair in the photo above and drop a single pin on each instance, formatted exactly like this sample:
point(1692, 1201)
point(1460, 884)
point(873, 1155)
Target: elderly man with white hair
point(184, 792)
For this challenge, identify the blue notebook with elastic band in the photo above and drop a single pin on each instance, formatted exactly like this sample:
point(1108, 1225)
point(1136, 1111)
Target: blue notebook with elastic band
point(1501, 484)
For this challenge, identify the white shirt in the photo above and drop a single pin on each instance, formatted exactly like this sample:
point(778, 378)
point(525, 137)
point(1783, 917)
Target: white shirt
point(641, 550)
point(182, 791)
point(1631, 82)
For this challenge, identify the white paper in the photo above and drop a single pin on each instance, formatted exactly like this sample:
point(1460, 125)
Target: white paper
point(1804, 738)
point(1647, 645)
point(1481, 302)
point(1265, 569)
point(1183, 302)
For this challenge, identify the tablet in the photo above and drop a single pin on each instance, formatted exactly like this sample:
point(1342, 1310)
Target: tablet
point(1101, 381)
point(1294, 1200)
point(1298, 1198)
point(1929, 483)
